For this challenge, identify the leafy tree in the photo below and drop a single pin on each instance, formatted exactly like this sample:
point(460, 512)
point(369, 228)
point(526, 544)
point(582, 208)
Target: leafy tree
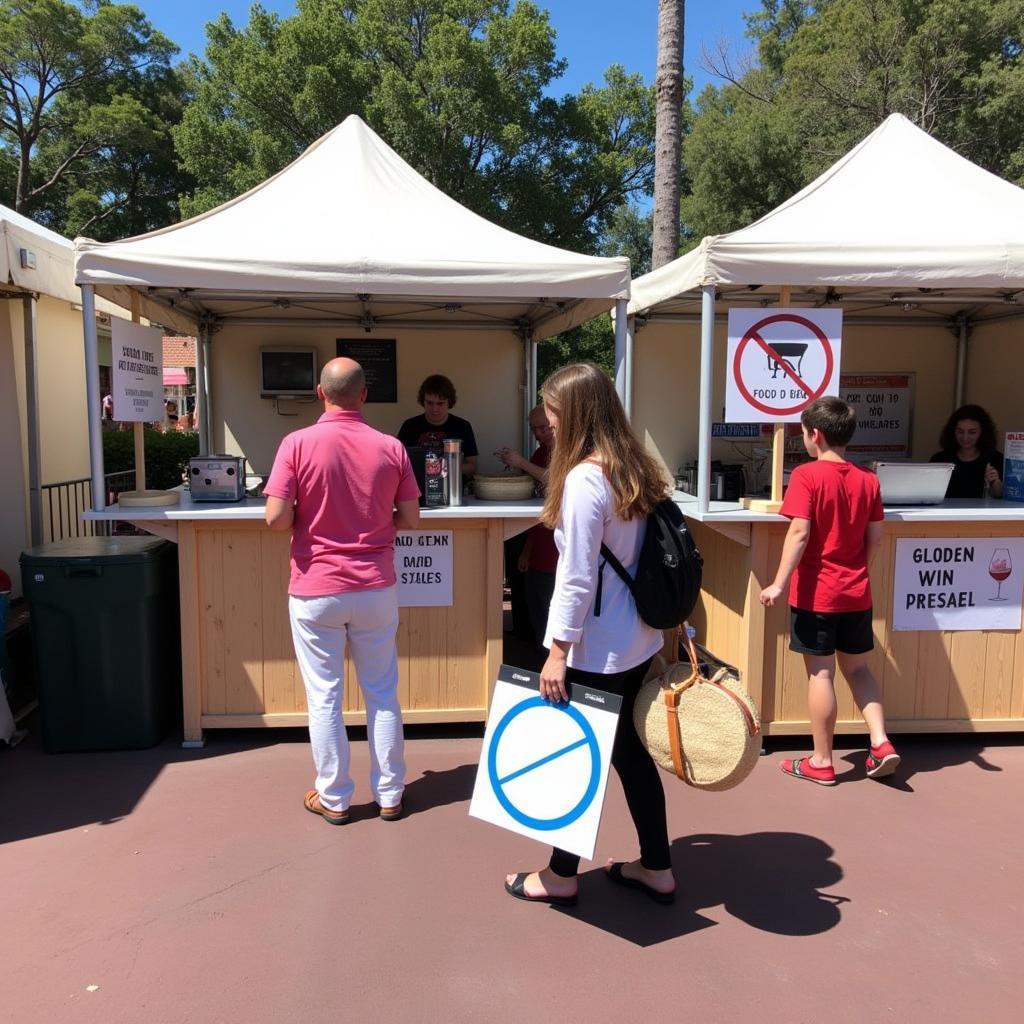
point(457, 87)
point(829, 72)
point(76, 86)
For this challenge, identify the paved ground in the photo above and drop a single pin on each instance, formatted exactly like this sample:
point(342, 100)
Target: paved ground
point(192, 886)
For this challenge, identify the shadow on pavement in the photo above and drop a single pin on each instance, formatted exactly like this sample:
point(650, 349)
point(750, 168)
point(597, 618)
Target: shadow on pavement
point(769, 880)
point(922, 753)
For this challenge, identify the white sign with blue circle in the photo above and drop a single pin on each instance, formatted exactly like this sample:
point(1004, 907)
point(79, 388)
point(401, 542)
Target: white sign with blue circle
point(544, 766)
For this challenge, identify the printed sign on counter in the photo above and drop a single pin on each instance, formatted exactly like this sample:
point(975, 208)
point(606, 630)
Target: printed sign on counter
point(883, 404)
point(137, 376)
point(1013, 466)
point(780, 361)
point(544, 766)
point(423, 568)
point(958, 583)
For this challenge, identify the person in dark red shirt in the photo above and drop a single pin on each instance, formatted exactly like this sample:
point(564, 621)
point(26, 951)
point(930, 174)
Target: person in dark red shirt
point(835, 513)
point(538, 558)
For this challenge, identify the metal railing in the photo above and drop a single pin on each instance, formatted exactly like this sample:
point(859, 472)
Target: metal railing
point(63, 504)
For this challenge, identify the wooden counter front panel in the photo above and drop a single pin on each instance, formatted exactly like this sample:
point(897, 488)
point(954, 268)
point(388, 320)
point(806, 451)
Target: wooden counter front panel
point(931, 681)
point(239, 655)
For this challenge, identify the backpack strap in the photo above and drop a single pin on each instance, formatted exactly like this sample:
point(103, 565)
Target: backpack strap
point(609, 559)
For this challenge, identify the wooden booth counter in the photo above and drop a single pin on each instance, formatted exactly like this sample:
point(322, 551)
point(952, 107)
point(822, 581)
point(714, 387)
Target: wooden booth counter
point(238, 665)
point(932, 681)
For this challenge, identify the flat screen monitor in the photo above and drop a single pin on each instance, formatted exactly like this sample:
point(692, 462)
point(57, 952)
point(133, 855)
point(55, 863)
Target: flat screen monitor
point(287, 372)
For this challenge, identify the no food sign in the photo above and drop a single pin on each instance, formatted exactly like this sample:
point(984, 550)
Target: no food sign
point(780, 362)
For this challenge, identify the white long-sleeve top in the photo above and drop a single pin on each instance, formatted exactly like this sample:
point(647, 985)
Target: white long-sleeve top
point(618, 639)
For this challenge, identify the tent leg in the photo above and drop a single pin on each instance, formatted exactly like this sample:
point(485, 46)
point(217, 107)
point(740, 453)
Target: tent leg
point(707, 342)
point(92, 385)
point(620, 352)
point(630, 331)
point(961, 363)
point(35, 508)
point(203, 390)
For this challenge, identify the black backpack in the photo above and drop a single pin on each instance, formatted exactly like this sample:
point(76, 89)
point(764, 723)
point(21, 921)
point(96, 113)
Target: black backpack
point(668, 572)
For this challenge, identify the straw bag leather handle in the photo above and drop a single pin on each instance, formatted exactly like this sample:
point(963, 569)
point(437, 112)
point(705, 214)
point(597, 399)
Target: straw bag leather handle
point(671, 695)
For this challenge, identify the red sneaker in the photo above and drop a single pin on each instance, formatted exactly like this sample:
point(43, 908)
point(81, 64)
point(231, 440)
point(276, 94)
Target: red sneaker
point(882, 761)
point(801, 768)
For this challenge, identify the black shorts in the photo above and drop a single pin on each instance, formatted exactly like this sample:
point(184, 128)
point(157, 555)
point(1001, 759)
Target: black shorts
point(825, 633)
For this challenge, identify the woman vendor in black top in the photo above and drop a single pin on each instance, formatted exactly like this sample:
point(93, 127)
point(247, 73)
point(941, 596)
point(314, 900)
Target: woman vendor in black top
point(969, 441)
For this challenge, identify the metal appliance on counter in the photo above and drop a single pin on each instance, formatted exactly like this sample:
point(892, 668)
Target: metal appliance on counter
point(216, 477)
point(453, 463)
point(912, 483)
point(727, 481)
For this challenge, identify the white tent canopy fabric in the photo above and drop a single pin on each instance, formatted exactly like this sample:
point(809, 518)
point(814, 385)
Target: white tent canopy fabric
point(351, 224)
point(53, 255)
point(900, 210)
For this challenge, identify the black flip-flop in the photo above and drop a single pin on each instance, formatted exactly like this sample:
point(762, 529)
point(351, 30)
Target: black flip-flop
point(517, 888)
point(615, 875)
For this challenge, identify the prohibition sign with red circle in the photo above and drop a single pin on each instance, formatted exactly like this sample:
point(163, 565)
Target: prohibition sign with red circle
point(751, 335)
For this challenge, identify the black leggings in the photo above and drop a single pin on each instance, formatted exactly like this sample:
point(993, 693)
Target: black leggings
point(640, 778)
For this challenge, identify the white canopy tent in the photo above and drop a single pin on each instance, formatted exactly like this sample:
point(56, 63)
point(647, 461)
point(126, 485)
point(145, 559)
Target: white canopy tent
point(901, 224)
point(349, 235)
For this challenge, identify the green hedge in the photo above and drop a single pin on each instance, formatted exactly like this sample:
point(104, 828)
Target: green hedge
point(167, 455)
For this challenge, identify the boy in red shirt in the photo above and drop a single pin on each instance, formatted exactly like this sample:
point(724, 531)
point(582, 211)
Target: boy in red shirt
point(836, 516)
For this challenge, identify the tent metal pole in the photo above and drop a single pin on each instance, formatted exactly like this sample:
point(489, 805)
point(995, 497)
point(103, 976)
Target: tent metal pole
point(35, 508)
point(92, 402)
point(202, 391)
point(620, 351)
point(707, 344)
point(529, 398)
point(961, 363)
point(630, 332)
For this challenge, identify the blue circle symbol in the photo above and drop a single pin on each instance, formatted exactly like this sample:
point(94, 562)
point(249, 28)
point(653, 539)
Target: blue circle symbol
point(589, 740)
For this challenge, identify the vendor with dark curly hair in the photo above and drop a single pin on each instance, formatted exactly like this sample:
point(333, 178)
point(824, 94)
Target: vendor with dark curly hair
point(968, 440)
point(435, 423)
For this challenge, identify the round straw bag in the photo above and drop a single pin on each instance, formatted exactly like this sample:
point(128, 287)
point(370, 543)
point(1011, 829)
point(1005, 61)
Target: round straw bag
point(706, 732)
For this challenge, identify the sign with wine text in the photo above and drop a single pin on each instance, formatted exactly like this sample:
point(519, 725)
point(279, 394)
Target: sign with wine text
point(958, 583)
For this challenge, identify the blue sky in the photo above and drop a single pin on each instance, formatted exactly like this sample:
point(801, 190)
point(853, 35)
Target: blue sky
point(591, 33)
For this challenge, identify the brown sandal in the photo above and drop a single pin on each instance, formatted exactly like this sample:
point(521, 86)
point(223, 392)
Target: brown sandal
point(391, 813)
point(312, 804)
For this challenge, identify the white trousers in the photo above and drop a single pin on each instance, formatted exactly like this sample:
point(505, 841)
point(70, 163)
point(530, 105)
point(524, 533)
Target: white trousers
point(367, 621)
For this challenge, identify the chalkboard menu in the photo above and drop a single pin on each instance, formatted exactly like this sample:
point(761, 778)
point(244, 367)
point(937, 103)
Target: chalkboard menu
point(380, 364)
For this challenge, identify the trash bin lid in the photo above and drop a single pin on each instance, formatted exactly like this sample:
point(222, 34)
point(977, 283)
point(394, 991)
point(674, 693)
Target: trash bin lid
point(93, 549)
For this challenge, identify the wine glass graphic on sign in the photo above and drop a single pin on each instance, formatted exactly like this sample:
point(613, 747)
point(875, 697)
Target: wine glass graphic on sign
point(999, 568)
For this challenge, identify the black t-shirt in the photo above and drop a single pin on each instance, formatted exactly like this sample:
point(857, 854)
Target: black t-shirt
point(419, 431)
point(968, 478)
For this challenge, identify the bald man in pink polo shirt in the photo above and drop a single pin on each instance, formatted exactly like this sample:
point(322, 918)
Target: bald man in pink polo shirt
point(343, 489)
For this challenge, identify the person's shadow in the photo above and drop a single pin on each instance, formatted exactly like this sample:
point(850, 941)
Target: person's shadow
point(768, 880)
point(926, 753)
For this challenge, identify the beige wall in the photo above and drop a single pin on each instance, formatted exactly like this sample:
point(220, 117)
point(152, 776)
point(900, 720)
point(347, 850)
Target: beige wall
point(486, 368)
point(63, 423)
point(667, 368)
point(995, 373)
point(13, 505)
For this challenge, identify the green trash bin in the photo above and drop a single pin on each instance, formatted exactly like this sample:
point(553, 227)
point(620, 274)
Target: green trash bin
point(105, 639)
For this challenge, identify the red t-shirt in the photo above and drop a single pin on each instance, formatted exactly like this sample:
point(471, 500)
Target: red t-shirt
point(543, 553)
point(344, 478)
point(839, 499)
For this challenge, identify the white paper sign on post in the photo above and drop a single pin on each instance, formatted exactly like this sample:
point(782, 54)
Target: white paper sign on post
point(958, 583)
point(544, 766)
point(883, 405)
point(137, 376)
point(424, 568)
point(780, 361)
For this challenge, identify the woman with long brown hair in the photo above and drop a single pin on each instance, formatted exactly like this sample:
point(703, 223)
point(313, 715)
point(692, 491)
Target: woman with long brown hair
point(602, 485)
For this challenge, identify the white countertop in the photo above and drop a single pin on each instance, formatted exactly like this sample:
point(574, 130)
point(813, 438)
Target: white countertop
point(252, 508)
point(960, 510)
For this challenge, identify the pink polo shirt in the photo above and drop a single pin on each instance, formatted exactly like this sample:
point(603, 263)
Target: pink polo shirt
point(344, 477)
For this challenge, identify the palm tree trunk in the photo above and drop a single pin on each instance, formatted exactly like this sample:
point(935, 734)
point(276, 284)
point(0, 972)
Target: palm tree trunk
point(668, 85)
